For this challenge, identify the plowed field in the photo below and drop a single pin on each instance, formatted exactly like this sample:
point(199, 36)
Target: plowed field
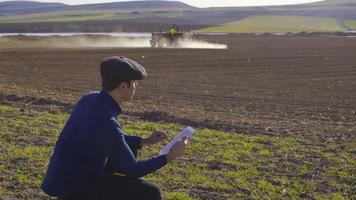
point(276, 85)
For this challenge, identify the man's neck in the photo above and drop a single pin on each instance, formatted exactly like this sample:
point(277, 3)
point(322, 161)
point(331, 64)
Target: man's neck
point(117, 97)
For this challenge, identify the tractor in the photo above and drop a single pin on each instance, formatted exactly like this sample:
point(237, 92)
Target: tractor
point(169, 38)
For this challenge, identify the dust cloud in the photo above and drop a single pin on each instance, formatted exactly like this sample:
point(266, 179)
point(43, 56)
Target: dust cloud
point(199, 44)
point(101, 42)
point(127, 42)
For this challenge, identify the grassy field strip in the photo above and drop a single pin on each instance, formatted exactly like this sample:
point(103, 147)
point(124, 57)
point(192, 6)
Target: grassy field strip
point(261, 24)
point(351, 24)
point(5, 42)
point(62, 17)
point(217, 165)
point(26, 42)
point(84, 15)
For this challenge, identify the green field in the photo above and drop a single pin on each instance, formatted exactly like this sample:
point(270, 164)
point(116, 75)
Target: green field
point(351, 24)
point(5, 42)
point(265, 24)
point(83, 15)
point(217, 165)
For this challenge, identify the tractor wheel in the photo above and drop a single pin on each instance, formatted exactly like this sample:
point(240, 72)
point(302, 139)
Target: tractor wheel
point(153, 43)
point(163, 42)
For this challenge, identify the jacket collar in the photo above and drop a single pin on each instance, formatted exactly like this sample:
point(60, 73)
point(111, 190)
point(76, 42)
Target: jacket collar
point(110, 101)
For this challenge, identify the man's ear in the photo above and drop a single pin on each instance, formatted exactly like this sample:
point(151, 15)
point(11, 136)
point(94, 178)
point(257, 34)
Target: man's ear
point(123, 85)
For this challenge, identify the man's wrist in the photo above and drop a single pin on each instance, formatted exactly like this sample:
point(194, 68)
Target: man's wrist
point(168, 157)
point(144, 141)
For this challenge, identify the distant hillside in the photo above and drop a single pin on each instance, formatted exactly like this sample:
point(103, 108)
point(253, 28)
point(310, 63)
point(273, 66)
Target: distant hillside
point(8, 8)
point(27, 16)
point(351, 24)
point(136, 5)
point(278, 24)
point(326, 16)
point(26, 7)
point(335, 2)
point(338, 9)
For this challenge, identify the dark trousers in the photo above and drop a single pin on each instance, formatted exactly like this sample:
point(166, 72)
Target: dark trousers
point(115, 187)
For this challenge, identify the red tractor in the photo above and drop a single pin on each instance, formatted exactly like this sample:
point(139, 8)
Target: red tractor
point(168, 39)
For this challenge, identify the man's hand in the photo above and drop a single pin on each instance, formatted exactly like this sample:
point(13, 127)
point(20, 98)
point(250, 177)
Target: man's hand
point(177, 149)
point(154, 138)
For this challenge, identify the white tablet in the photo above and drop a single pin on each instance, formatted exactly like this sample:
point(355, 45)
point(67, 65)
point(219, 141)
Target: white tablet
point(187, 132)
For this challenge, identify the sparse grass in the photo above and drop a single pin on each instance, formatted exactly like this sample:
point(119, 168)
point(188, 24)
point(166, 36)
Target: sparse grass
point(262, 24)
point(26, 42)
point(5, 42)
point(351, 24)
point(217, 165)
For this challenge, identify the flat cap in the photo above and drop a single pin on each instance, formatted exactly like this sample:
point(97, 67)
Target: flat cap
point(116, 69)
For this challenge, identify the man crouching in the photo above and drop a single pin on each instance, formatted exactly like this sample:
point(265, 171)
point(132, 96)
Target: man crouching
point(92, 148)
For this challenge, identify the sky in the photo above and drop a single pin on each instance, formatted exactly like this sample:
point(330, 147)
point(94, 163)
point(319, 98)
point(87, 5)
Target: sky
point(201, 3)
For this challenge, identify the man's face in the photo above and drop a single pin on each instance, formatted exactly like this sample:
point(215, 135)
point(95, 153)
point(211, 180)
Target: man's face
point(130, 90)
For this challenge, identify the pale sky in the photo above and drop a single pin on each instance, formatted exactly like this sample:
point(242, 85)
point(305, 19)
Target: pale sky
point(201, 3)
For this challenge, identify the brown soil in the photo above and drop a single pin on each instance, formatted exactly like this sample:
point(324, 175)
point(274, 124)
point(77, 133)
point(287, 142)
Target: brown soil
point(303, 85)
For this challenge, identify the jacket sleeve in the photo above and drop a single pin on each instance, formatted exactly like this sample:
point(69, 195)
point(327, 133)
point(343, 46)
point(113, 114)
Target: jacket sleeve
point(134, 143)
point(119, 153)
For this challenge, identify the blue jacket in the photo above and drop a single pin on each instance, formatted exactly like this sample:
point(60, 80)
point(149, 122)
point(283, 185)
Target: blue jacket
point(91, 138)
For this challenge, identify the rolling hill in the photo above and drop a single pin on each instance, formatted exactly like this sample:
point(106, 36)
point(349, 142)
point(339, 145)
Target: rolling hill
point(10, 8)
point(147, 16)
point(282, 24)
point(351, 24)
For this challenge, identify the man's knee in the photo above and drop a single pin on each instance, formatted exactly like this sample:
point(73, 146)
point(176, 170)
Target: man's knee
point(152, 191)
